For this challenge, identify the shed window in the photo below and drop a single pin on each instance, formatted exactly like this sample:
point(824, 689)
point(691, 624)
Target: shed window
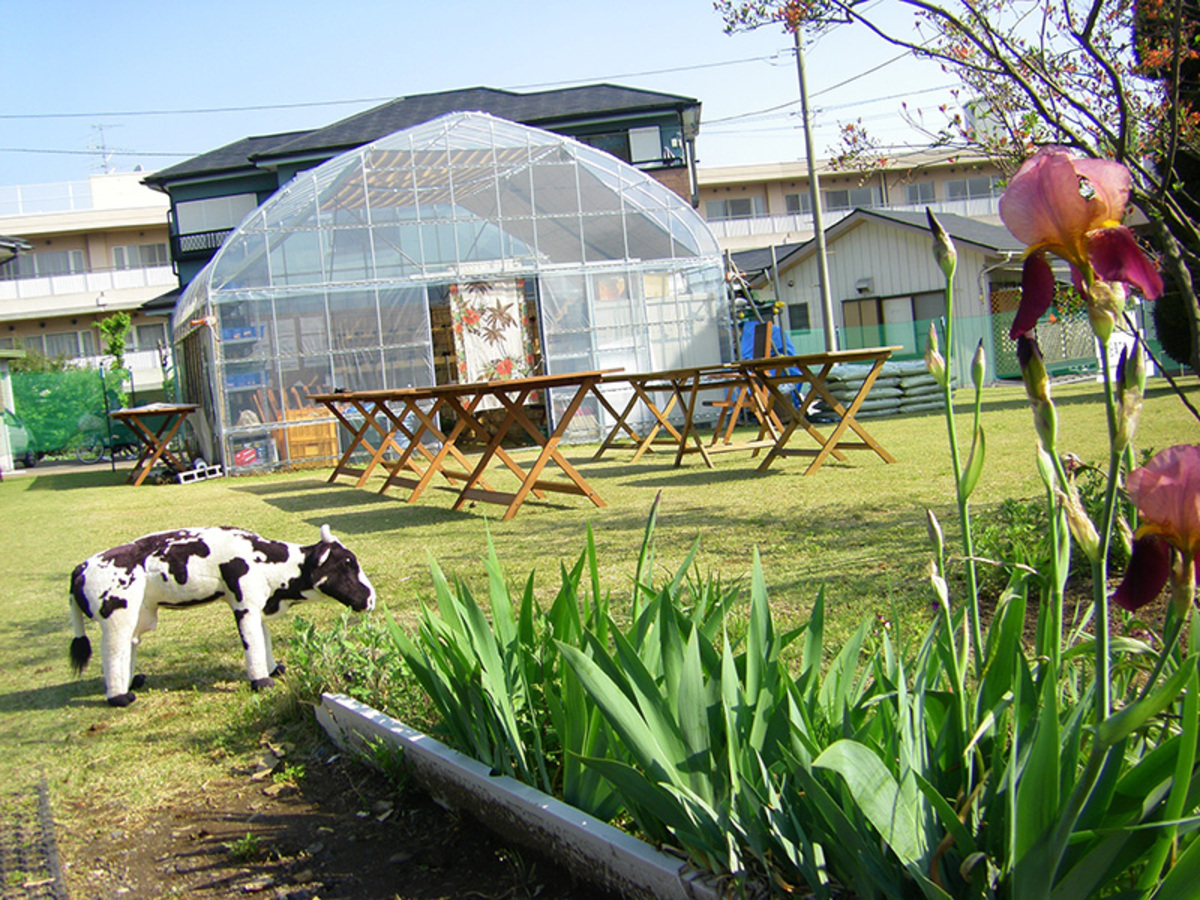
point(798, 319)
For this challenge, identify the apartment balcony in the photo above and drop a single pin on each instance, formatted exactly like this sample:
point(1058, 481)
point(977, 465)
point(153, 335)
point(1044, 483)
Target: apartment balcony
point(199, 244)
point(762, 231)
point(83, 292)
point(145, 367)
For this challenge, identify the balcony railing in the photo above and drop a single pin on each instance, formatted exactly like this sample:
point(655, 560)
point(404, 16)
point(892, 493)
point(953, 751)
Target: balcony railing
point(800, 226)
point(33, 199)
point(87, 282)
point(198, 244)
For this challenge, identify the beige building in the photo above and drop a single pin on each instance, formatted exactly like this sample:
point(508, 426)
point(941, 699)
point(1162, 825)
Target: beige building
point(748, 207)
point(96, 247)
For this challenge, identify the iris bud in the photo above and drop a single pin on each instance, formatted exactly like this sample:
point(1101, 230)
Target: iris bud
point(933, 359)
point(1082, 527)
point(1106, 302)
point(1037, 387)
point(943, 247)
point(1131, 385)
point(978, 365)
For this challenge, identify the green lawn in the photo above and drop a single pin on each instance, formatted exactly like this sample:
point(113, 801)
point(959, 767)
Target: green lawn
point(855, 528)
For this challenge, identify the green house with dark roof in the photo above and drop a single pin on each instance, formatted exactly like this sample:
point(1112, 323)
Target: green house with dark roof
point(211, 193)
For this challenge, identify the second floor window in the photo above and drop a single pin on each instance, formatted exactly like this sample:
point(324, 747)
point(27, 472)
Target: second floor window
point(735, 208)
point(976, 188)
point(146, 337)
point(798, 204)
point(140, 256)
point(213, 214)
point(70, 344)
point(852, 198)
point(43, 264)
point(921, 192)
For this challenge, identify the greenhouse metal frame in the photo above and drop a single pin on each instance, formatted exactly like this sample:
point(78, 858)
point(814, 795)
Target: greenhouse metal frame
point(466, 248)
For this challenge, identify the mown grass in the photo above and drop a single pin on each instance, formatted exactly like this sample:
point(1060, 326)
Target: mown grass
point(856, 529)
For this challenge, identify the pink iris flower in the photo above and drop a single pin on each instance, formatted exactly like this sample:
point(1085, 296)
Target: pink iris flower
point(1072, 207)
point(1166, 492)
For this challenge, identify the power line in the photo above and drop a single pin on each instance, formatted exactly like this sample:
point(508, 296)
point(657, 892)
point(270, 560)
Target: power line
point(188, 112)
point(365, 100)
point(857, 103)
point(93, 152)
point(322, 103)
point(716, 65)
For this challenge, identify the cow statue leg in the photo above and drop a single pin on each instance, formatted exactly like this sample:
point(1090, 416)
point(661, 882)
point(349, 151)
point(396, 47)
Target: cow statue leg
point(116, 655)
point(147, 620)
point(254, 642)
point(275, 669)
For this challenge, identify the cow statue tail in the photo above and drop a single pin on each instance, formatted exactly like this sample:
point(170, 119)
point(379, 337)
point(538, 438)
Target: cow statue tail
point(81, 647)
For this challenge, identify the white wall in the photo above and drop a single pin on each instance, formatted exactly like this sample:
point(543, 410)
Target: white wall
point(899, 262)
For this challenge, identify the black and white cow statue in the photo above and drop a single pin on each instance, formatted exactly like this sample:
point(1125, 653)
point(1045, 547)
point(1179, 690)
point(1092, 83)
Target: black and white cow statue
point(125, 587)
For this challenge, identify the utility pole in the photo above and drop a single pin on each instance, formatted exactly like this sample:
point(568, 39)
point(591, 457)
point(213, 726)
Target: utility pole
point(814, 190)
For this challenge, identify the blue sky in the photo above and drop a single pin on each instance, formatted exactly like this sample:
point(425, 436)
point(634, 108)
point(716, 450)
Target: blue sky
point(75, 72)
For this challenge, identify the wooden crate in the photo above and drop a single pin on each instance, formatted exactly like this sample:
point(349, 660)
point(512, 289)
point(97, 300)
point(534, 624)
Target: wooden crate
point(317, 441)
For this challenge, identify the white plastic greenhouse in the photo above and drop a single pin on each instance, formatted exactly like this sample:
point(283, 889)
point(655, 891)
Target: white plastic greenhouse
point(464, 249)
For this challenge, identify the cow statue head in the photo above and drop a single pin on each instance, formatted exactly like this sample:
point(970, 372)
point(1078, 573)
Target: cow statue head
point(336, 573)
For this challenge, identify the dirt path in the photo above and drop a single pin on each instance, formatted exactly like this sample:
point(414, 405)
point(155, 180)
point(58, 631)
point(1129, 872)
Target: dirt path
point(342, 831)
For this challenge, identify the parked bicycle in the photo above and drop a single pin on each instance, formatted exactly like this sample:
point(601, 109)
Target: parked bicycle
point(96, 444)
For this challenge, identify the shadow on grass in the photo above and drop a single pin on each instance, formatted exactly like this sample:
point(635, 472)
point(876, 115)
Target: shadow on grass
point(282, 486)
point(88, 690)
point(76, 692)
point(68, 481)
point(333, 497)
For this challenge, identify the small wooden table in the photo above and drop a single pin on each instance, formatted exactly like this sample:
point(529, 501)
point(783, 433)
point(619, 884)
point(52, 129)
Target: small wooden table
point(154, 441)
point(759, 385)
point(388, 413)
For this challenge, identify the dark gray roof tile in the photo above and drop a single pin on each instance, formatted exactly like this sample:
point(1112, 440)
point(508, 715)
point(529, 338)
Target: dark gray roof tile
point(229, 158)
point(540, 109)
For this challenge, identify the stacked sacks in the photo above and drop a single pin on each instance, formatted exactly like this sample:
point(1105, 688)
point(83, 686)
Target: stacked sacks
point(902, 387)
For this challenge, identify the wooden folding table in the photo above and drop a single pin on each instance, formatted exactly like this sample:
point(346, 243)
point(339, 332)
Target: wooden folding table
point(154, 440)
point(461, 402)
point(773, 373)
point(685, 386)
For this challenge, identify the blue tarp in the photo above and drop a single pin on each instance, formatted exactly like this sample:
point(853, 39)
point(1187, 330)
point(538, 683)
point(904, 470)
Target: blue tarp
point(781, 345)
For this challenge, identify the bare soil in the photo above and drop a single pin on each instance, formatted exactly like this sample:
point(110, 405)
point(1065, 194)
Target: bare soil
point(340, 831)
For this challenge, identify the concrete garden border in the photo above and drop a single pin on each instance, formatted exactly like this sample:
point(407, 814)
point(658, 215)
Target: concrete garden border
point(592, 850)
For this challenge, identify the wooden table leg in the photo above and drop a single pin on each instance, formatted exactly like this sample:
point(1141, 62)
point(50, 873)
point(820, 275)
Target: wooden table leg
point(688, 405)
point(848, 420)
point(531, 481)
point(436, 461)
point(621, 423)
point(155, 446)
point(661, 420)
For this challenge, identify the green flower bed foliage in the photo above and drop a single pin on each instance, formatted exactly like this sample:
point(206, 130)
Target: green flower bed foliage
point(1016, 535)
point(774, 758)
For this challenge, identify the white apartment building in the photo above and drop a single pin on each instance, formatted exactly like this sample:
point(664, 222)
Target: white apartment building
point(98, 247)
point(757, 206)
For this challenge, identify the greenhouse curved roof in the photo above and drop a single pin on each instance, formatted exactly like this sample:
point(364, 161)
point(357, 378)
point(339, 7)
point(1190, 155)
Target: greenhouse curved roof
point(464, 192)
